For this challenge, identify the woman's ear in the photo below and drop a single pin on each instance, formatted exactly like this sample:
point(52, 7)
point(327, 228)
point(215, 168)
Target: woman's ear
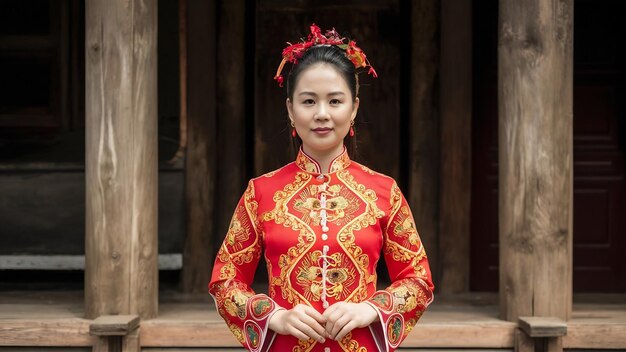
point(289, 106)
point(355, 108)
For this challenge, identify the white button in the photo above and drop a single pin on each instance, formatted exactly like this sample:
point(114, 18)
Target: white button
point(324, 236)
point(325, 228)
point(320, 177)
point(326, 349)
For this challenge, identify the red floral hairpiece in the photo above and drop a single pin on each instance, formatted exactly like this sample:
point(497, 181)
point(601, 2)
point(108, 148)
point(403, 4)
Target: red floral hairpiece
point(294, 52)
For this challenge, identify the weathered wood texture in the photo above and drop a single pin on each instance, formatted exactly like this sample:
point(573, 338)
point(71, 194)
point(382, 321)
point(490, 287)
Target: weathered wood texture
point(543, 326)
point(523, 342)
point(535, 157)
point(106, 344)
point(114, 325)
point(456, 155)
point(121, 274)
point(200, 171)
point(234, 83)
point(132, 341)
point(424, 127)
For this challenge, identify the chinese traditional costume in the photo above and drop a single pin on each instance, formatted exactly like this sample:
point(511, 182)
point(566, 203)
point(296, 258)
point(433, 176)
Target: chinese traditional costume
point(322, 235)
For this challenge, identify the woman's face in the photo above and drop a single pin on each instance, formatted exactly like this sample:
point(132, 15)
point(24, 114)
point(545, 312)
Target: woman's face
point(322, 110)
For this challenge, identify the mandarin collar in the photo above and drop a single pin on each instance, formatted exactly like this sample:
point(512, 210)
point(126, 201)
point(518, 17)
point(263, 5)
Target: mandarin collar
point(308, 164)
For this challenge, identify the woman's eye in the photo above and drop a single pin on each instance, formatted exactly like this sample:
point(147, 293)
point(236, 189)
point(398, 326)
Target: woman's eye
point(335, 101)
point(308, 102)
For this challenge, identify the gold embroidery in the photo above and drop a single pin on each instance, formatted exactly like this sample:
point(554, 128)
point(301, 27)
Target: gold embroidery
point(304, 345)
point(340, 278)
point(404, 227)
point(350, 345)
point(347, 239)
point(340, 205)
point(306, 237)
point(239, 230)
point(408, 295)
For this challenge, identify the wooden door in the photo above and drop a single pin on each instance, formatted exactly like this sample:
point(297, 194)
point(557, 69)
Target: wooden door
point(599, 149)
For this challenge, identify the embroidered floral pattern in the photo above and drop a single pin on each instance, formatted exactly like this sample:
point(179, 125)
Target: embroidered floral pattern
point(340, 205)
point(322, 237)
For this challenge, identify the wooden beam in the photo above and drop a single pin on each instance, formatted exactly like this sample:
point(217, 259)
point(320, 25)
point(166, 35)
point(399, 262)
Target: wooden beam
point(121, 275)
point(114, 325)
point(543, 326)
point(424, 159)
point(535, 73)
point(456, 151)
point(200, 172)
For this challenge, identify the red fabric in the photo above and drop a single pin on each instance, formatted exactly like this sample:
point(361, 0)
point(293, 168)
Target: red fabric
point(279, 217)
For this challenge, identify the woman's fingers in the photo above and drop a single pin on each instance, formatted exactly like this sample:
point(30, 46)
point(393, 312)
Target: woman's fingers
point(310, 311)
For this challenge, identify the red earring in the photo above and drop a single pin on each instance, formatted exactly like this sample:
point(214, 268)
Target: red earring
point(351, 131)
point(293, 133)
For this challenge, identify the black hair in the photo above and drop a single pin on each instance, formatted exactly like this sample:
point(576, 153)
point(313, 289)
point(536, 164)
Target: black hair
point(336, 57)
point(327, 54)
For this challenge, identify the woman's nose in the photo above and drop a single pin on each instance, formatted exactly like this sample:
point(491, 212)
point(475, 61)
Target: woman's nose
point(322, 112)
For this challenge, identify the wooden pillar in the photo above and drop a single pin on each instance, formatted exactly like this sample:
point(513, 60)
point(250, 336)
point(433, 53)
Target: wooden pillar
point(233, 108)
point(424, 126)
point(200, 171)
point(535, 157)
point(456, 151)
point(121, 273)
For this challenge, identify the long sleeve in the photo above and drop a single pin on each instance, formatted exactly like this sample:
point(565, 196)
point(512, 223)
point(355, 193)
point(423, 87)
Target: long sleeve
point(400, 305)
point(246, 313)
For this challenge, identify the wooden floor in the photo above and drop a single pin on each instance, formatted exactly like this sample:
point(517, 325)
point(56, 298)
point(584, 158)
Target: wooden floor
point(467, 321)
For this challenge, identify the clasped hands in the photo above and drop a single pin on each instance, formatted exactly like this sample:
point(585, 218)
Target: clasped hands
point(304, 322)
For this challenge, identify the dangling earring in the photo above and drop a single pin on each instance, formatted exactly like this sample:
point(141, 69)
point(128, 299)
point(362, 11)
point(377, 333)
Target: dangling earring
point(293, 130)
point(352, 128)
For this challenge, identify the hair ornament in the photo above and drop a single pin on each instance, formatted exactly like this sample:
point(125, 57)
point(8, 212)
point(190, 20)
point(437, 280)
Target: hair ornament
point(294, 52)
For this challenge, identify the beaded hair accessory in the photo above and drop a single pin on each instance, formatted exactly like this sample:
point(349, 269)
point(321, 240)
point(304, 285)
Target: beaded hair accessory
point(294, 52)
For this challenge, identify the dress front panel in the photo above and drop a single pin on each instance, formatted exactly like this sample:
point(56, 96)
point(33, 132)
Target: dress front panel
point(322, 236)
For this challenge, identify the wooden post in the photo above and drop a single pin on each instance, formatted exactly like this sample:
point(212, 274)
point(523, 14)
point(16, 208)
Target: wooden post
point(231, 91)
point(424, 126)
point(115, 333)
point(456, 148)
point(200, 173)
point(121, 274)
point(535, 157)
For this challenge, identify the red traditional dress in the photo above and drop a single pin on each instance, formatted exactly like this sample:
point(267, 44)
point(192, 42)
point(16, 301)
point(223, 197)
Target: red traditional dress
point(322, 235)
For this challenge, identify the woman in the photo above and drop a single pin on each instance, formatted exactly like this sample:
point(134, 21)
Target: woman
point(322, 223)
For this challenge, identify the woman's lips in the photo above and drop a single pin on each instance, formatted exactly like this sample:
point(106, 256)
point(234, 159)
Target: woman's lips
point(322, 130)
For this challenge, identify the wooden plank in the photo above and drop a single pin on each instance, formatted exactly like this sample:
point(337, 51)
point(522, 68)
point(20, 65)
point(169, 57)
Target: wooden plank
point(535, 75)
point(456, 157)
point(424, 161)
point(543, 326)
point(111, 325)
point(200, 171)
point(121, 275)
point(235, 126)
point(523, 342)
point(595, 335)
point(68, 332)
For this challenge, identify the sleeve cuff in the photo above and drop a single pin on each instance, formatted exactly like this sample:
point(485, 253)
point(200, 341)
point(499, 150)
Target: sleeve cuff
point(389, 332)
point(256, 331)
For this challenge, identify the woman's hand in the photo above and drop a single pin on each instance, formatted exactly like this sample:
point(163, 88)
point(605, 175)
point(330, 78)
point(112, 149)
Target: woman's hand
point(301, 321)
point(343, 317)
